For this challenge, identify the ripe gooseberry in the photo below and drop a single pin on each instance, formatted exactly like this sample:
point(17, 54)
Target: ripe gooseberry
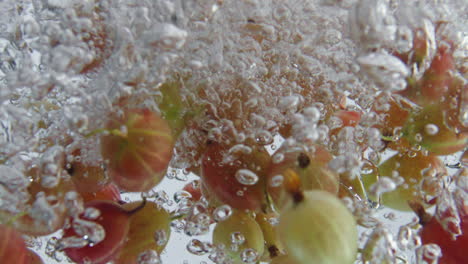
point(138, 149)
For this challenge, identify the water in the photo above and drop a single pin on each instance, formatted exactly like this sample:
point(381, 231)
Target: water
point(248, 72)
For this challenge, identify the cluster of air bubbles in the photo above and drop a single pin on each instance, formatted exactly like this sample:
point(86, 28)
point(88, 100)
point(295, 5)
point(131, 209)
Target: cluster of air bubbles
point(218, 255)
point(372, 23)
point(160, 197)
point(305, 125)
point(407, 237)
point(51, 249)
point(249, 256)
point(198, 247)
point(197, 221)
point(386, 70)
point(428, 254)
point(149, 257)
point(43, 211)
point(91, 231)
point(383, 185)
point(348, 164)
point(51, 166)
point(380, 246)
point(447, 214)
point(12, 189)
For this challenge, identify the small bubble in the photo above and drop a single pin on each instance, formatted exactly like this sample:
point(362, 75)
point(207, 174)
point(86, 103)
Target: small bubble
point(418, 137)
point(237, 238)
point(383, 185)
point(149, 257)
point(249, 256)
point(198, 247)
point(222, 213)
point(91, 213)
point(276, 181)
point(264, 137)
point(431, 129)
point(390, 216)
point(72, 242)
point(429, 254)
point(277, 158)
point(181, 196)
point(51, 249)
point(179, 175)
point(246, 177)
point(160, 237)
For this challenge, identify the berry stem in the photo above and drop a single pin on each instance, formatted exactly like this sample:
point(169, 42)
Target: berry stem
point(138, 208)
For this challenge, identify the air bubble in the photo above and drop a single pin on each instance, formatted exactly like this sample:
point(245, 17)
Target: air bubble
point(276, 181)
point(431, 129)
point(13, 179)
point(198, 247)
point(71, 242)
point(91, 213)
point(160, 237)
point(249, 256)
point(237, 238)
point(166, 36)
point(93, 231)
point(418, 137)
point(52, 247)
point(246, 177)
point(383, 185)
point(277, 158)
point(289, 103)
point(264, 137)
point(428, 254)
point(386, 70)
point(180, 196)
point(149, 257)
point(240, 149)
point(404, 39)
point(222, 213)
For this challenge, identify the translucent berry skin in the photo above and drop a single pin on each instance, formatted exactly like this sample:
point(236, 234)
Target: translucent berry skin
point(115, 221)
point(348, 119)
point(319, 229)
point(392, 119)
point(285, 259)
point(411, 168)
point(310, 169)
point(194, 188)
point(97, 37)
point(144, 226)
point(444, 141)
point(12, 246)
point(273, 245)
point(27, 224)
point(220, 177)
point(453, 251)
point(87, 178)
point(109, 192)
point(138, 157)
point(244, 224)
